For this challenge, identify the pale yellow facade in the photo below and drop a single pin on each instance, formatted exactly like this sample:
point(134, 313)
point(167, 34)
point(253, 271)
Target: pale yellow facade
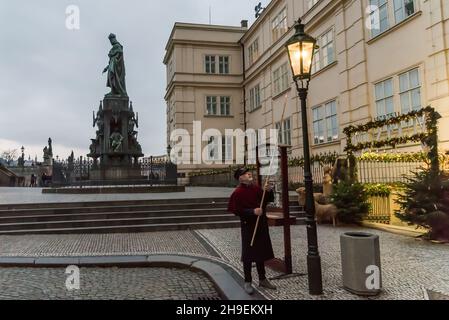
point(361, 72)
point(189, 85)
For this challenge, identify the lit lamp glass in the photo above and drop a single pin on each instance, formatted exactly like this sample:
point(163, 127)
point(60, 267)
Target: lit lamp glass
point(301, 48)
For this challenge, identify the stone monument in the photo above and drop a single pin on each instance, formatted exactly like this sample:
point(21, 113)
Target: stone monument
point(115, 150)
point(48, 153)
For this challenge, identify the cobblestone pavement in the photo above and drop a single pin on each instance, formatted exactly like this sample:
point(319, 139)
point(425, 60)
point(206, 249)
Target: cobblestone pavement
point(106, 284)
point(409, 267)
point(35, 195)
point(101, 244)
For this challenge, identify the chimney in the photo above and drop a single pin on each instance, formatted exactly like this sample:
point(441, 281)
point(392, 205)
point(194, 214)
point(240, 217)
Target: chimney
point(244, 23)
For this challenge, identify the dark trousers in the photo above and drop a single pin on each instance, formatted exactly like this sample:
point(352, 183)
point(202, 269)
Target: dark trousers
point(247, 266)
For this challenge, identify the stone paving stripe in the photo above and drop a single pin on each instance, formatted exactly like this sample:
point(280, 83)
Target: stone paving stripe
point(224, 282)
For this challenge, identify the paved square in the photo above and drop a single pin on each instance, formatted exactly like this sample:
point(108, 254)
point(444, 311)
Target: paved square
point(411, 269)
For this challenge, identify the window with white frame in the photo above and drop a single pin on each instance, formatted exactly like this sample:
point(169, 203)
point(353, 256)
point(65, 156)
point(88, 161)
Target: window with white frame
point(325, 123)
point(379, 16)
point(280, 79)
point(212, 108)
point(223, 64)
point(213, 149)
point(316, 62)
point(311, 3)
point(279, 25)
point(384, 99)
point(403, 9)
point(253, 51)
point(227, 148)
point(409, 96)
point(410, 91)
point(225, 106)
point(325, 54)
point(209, 64)
point(254, 98)
point(211, 105)
point(327, 48)
point(284, 132)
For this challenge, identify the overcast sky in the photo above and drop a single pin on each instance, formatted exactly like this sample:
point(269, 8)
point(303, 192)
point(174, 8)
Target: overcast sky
point(51, 77)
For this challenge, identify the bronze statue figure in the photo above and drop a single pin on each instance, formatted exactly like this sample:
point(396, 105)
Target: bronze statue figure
point(116, 69)
point(116, 141)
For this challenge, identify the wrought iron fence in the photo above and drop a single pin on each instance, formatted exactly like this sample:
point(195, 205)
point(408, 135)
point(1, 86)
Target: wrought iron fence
point(296, 173)
point(367, 171)
point(386, 172)
point(77, 173)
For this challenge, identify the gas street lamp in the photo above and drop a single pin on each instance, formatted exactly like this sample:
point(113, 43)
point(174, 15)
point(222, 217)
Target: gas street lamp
point(301, 48)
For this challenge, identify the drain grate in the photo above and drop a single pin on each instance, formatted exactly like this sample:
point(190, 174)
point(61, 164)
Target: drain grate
point(208, 298)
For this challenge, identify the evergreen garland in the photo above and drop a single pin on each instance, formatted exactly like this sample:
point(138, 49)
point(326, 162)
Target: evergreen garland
point(322, 159)
point(378, 189)
point(393, 157)
point(350, 130)
point(212, 172)
point(428, 138)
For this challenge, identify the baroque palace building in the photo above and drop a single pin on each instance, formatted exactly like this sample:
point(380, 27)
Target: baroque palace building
point(376, 59)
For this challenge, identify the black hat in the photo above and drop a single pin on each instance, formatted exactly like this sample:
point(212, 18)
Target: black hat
point(240, 172)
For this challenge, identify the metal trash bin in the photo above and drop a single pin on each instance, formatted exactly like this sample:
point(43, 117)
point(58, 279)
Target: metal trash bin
point(360, 263)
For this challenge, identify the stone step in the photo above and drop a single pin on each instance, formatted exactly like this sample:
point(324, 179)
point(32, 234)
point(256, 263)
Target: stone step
point(109, 203)
point(112, 208)
point(192, 219)
point(121, 215)
point(116, 203)
point(170, 207)
point(111, 214)
point(134, 228)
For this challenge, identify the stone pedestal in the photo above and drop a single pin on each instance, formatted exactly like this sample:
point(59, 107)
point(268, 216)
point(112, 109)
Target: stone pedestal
point(115, 149)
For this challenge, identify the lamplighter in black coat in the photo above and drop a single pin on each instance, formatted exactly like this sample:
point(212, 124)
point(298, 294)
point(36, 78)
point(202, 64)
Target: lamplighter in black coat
point(242, 203)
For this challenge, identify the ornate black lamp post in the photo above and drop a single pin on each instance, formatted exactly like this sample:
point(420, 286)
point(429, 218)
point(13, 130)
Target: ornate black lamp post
point(21, 161)
point(169, 152)
point(300, 49)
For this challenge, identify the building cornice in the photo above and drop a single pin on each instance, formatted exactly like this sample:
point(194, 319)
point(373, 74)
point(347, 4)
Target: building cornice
point(197, 26)
point(197, 84)
point(199, 43)
point(316, 15)
point(259, 20)
point(265, 64)
point(254, 70)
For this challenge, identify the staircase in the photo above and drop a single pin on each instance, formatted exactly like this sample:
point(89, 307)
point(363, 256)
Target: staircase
point(121, 216)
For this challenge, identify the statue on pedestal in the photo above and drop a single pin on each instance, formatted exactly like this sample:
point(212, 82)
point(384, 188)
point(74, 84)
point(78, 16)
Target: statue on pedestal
point(50, 148)
point(45, 151)
point(115, 149)
point(48, 153)
point(71, 161)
